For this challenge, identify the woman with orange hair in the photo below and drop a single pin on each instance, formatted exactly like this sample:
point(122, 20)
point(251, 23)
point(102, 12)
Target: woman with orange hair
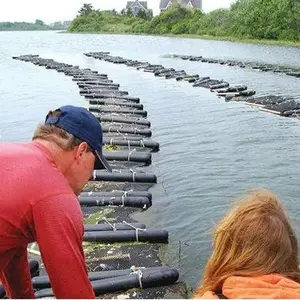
point(255, 253)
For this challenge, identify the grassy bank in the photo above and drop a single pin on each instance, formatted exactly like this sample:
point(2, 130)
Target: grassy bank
point(239, 40)
point(201, 37)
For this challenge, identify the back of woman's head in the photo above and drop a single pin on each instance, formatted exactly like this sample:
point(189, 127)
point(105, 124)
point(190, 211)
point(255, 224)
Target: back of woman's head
point(254, 238)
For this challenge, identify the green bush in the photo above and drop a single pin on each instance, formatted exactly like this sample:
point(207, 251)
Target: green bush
point(256, 19)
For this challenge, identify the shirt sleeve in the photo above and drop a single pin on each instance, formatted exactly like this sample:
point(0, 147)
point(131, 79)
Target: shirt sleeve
point(59, 230)
point(16, 278)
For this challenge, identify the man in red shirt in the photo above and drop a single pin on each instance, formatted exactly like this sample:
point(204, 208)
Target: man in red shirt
point(39, 182)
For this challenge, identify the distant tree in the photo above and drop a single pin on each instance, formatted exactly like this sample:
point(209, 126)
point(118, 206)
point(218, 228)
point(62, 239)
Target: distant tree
point(86, 9)
point(149, 14)
point(142, 14)
point(58, 26)
point(39, 22)
point(38, 25)
point(129, 12)
point(258, 19)
point(114, 12)
point(67, 23)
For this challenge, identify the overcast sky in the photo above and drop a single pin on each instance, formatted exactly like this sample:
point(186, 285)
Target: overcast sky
point(57, 10)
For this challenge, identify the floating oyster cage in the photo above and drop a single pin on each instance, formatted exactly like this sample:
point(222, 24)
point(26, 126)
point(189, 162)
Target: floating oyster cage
point(286, 106)
point(128, 147)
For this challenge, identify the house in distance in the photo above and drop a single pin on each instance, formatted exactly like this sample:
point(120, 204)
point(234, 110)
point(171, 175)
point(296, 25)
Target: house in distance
point(137, 6)
point(192, 4)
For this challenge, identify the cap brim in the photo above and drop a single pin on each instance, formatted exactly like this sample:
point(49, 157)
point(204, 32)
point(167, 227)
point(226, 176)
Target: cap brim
point(101, 162)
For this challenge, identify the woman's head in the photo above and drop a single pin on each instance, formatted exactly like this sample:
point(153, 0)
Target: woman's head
point(254, 238)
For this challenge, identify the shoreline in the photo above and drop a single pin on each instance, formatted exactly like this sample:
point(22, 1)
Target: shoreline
point(201, 37)
point(33, 30)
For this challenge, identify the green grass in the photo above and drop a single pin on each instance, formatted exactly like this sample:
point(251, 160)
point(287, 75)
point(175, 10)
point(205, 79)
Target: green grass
point(116, 27)
point(111, 147)
point(90, 247)
point(94, 218)
point(240, 40)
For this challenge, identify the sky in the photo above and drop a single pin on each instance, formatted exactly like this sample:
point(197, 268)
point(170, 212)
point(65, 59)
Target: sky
point(63, 10)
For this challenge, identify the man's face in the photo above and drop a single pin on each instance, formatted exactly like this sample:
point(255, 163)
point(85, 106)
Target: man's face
point(82, 167)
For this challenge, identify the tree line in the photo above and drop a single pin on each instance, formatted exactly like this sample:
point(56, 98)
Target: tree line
point(245, 19)
point(37, 25)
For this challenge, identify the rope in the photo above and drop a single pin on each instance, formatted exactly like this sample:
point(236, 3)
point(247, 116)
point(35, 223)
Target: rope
point(123, 198)
point(123, 135)
point(136, 230)
point(130, 153)
point(132, 269)
point(111, 200)
point(112, 225)
point(133, 175)
point(142, 143)
point(128, 145)
point(140, 276)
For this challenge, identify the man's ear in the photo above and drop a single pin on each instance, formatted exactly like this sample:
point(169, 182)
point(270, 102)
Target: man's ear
point(81, 149)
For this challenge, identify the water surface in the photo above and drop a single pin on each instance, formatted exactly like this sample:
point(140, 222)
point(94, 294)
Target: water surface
point(211, 151)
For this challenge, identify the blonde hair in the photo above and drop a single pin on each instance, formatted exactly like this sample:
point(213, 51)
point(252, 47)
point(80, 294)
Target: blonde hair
point(254, 238)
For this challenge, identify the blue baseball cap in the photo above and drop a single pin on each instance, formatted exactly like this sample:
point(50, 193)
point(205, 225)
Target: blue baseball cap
point(83, 125)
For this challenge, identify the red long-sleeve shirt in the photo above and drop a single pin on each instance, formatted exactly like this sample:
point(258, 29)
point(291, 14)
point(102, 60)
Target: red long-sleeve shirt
point(37, 204)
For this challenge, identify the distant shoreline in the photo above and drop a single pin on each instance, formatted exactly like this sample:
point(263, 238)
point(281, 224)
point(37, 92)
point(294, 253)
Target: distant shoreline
point(12, 30)
point(202, 37)
point(187, 36)
point(39, 25)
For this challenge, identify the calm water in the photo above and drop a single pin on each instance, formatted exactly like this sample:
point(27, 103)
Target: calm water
point(211, 151)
